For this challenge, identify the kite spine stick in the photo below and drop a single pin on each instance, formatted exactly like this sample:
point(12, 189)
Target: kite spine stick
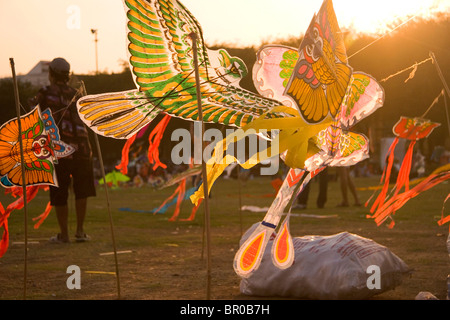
point(440, 73)
point(102, 167)
point(24, 182)
point(444, 83)
point(193, 36)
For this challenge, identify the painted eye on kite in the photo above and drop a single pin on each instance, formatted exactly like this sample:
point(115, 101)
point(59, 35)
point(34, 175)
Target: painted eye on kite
point(309, 50)
point(42, 141)
point(316, 34)
point(234, 68)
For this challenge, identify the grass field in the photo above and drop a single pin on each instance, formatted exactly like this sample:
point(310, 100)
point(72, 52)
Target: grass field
point(166, 260)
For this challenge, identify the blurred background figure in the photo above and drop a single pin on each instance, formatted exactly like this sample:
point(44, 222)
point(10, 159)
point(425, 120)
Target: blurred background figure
point(346, 182)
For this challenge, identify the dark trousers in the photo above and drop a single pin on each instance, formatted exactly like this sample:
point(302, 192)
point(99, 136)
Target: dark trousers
point(323, 188)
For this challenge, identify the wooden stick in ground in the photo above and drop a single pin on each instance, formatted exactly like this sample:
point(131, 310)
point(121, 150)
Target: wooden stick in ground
point(441, 76)
point(102, 168)
point(24, 182)
point(204, 175)
point(240, 197)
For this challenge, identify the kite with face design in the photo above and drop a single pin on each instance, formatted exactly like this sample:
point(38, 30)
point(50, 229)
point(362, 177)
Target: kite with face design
point(41, 149)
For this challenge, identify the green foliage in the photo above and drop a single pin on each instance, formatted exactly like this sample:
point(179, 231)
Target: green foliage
point(381, 58)
point(7, 100)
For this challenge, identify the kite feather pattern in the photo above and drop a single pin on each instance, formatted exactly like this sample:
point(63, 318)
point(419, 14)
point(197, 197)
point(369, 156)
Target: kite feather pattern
point(336, 147)
point(161, 61)
point(41, 149)
point(41, 145)
point(319, 80)
point(321, 75)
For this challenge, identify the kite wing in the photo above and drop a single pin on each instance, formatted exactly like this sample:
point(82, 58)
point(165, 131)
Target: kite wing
point(321, 75)
point(414, 128)
point(337, 146)
point(161, 60)
point(351, 99)
point(60, 148)
point(41, 149)
point(271, 72)
point(37, 152)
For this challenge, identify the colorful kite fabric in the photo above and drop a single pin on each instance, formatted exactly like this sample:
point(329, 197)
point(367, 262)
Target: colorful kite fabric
point(17, 205)
point(161, 59)
point(336, 147)
point(321, 74)
point(317, 92)
point(412, 129)
point(41, 149)
point(114, 179)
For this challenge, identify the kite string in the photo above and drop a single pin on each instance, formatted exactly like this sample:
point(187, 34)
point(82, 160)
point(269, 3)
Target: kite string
point(376, 40)
point(433, 103)
point(447, 114)
point(406, 69)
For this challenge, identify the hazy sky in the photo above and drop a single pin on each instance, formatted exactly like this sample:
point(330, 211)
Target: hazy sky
point(34, 30)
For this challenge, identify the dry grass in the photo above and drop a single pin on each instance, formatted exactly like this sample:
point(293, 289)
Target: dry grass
point(167, 259)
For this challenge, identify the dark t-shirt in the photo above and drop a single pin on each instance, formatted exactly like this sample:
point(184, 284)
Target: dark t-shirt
point(60, 99)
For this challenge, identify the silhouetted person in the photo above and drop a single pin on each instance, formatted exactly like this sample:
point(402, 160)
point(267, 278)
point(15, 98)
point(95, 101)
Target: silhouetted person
point(76, 168)
point(347, 183)
point(302, 199)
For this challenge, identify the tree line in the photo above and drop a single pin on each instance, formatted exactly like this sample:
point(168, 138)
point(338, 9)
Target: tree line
point(380, 58)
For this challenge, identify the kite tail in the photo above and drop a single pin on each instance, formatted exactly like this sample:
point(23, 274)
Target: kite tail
point(16, 205)
point(293, 136)
point(193, 212)
point(181, 191)
point(392, 205)
point(4, 241)
point(43, 216)
point(405, 169)
point(154, 140)
point(123, 165)
point(447, 218)
point(386, 176)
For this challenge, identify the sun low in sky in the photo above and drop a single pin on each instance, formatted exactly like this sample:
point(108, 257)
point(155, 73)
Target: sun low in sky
point(34, 30)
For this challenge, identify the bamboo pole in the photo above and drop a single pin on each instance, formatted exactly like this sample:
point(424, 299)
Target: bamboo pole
point(24, 182)
point(102, 168)
point(444, 83)
point(441, 76)
point(193, 36)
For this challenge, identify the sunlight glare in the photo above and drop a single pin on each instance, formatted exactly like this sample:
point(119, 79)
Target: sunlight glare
point(379, 17)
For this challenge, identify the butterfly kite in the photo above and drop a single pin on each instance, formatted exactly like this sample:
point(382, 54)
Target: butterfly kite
point(42, 147)
point(300, 112)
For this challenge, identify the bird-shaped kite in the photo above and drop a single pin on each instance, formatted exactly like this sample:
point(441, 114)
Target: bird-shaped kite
point(42, 148)
point(321, 74)
point(336, 147)
point(161, 59)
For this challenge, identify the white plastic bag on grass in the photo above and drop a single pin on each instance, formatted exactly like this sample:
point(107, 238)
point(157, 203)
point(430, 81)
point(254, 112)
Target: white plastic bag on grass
point(340, 266)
